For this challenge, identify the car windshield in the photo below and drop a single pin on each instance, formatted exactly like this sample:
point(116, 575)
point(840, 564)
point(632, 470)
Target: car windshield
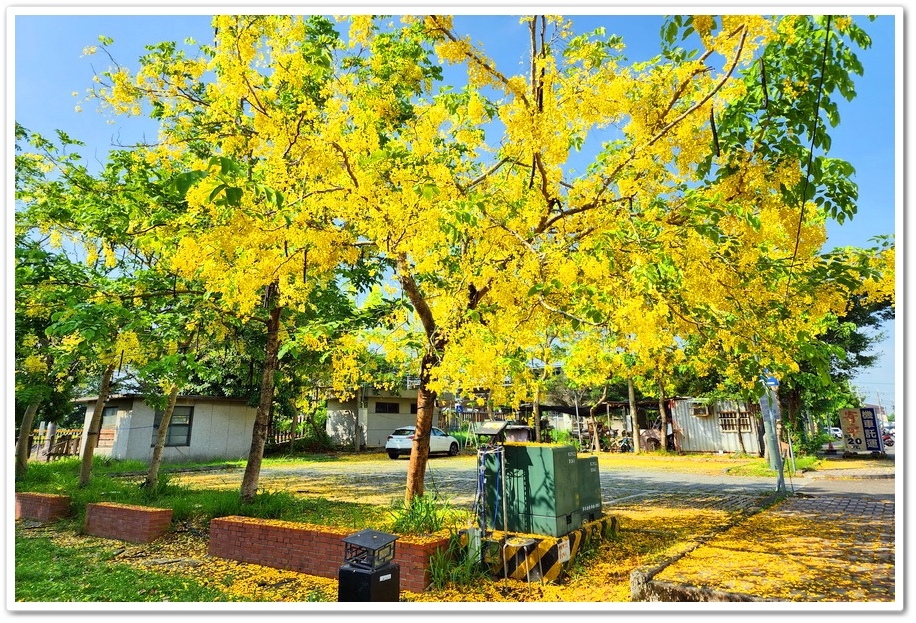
point(403, 432)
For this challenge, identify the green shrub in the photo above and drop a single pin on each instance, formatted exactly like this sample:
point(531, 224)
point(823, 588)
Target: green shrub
point(423, 515)
point(200, 506)
point(455, 566)
point(564, 438)
point(805, 443)
point(163, 488)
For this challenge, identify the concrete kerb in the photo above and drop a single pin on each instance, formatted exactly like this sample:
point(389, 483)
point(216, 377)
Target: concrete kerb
point(877, 471)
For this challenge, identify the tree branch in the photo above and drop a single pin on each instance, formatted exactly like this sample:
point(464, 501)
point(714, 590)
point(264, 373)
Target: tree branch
point(346, 160)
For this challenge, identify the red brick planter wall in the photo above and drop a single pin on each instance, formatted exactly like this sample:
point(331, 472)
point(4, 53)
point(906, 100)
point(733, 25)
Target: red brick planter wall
point(43, 507)
point(315, 550)
point(137, 524)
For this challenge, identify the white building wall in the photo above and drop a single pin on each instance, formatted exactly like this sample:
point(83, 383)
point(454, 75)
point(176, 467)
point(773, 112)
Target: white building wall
point(219, 430)
point(122, 423)
point(140, 439)
point(341, 422)
point(209, 431)
point(560, 421)
point(118, 450)
point(239, 428)
point(374, 427)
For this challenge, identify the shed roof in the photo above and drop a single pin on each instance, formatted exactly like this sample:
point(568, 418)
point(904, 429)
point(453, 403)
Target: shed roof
point(195, 398)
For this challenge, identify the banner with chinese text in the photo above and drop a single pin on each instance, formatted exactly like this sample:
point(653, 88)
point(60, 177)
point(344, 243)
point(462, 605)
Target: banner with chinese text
point(861, 430)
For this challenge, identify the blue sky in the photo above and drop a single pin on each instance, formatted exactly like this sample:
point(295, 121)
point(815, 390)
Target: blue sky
point(49, 67)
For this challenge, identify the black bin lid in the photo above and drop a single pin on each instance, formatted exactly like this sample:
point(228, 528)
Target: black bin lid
point(370, 539)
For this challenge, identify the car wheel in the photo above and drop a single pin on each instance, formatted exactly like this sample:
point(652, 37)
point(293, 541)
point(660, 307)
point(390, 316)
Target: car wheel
point(453, 449)
point(393, 454)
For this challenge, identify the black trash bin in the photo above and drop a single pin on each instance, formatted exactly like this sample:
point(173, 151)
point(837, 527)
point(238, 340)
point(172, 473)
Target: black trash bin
point(368, 572)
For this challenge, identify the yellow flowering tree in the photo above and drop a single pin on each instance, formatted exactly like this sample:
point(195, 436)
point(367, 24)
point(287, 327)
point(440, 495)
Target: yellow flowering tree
point(247, 222)
point(299, 151)
point(44, 382)
point(103, 305)
point(87, 325)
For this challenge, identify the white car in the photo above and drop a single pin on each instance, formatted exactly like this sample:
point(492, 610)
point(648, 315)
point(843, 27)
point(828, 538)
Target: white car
point(836, 432)
point(401, 440)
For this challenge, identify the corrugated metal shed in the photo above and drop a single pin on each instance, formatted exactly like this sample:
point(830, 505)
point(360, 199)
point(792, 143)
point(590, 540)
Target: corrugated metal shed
point(703, 426)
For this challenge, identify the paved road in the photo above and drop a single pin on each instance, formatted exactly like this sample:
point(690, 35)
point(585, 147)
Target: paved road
point(869, 488)
point(381, 481)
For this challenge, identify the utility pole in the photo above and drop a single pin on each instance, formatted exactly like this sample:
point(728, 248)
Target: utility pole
point(769, 406)
point(882, 415)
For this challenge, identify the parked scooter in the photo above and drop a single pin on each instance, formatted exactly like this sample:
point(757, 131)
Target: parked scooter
point(888, 439)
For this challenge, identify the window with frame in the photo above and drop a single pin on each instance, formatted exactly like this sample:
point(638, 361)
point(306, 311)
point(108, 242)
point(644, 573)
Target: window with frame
point(179, 433)
point(387, 407)
point(413, 408)
point(107, 430)
point(733, 421)
point(700, 409)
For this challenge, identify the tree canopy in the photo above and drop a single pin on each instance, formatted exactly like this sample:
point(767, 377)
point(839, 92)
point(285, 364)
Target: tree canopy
point(297, 154)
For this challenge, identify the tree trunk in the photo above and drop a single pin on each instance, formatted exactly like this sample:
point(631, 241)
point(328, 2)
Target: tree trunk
point(792, 408)
point(152, 476)
point(50, 438)
point(536, 414)
point(593, 425)
point(760, 429)
point(95, 426)
point(361, 400)
point(634, 421)
point(741, 436)
point(22, 444)
point(662, 413)
point(419, 451)
point(426, 399)
point(262, 417)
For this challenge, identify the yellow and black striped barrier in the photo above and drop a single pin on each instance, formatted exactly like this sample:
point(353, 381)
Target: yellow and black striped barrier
point(535, 557)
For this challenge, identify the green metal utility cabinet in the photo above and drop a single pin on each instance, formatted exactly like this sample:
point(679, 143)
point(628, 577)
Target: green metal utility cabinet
point(541, 489)
point(589, 488)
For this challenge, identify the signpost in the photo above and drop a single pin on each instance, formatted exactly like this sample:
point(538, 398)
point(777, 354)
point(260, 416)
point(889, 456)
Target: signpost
point(861, 430)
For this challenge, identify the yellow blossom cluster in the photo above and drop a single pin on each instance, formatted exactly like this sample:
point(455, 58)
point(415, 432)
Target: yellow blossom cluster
point(884, 287)
point(470, 195)
point(126, 349)
point(34, 363)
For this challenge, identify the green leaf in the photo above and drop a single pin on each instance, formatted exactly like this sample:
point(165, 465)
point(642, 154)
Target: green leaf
point(233, 196)
point(184, 181)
